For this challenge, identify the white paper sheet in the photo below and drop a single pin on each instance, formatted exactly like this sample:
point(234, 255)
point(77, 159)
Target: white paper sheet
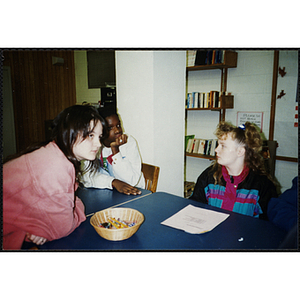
point(195, 219)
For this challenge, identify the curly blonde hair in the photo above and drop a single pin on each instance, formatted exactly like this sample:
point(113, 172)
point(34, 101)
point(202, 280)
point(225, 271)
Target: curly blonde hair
point(247, 136)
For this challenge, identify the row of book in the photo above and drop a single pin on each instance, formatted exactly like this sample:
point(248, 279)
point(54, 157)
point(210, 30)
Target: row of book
point(205, 57)
point(191, 57)
point(202, 146)
point(203, 100)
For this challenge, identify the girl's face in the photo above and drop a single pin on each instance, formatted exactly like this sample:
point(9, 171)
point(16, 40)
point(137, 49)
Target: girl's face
point(114, 129)
point(227, 151)
point(87, 149)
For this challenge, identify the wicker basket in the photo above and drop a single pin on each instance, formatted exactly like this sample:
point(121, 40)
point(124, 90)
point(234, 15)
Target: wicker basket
point(125, 214)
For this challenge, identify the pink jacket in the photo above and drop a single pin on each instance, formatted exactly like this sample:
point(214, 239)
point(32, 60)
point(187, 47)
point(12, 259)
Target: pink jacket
point(39, 197)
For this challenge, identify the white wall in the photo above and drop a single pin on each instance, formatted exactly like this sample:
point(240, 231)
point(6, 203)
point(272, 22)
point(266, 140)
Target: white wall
point(150, 101)
point(251, 85)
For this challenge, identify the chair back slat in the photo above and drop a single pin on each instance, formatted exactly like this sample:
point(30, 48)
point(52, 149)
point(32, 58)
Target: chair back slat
point(151, 176)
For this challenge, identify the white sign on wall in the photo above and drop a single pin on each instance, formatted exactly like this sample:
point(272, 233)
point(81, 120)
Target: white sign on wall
point(253, 117)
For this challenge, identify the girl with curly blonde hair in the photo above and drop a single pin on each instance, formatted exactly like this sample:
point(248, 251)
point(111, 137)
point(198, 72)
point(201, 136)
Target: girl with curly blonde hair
point(237, 181)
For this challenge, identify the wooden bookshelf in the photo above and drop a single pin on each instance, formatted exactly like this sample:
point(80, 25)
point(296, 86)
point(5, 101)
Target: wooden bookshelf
point(230, 61)
point(226, 102)
point(200, 156)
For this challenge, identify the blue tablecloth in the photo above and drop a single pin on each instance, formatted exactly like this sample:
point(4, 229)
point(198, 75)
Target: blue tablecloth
point(237, 232)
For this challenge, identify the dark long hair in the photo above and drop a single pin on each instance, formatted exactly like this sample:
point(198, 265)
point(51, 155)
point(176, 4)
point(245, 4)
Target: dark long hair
point(71, 123)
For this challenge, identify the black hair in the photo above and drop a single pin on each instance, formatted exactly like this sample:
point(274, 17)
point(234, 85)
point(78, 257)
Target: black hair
point(69, 124)
point(107, 111)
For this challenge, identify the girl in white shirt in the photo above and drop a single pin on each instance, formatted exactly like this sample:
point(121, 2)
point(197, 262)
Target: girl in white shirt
point(119, 158)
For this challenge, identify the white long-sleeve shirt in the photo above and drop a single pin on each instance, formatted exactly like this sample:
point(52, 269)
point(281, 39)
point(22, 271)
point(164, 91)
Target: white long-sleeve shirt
point(126, 166)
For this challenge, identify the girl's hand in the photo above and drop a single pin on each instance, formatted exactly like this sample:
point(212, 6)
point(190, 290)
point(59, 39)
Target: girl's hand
point(125, 188)
point(36, 239)
point(121, 140)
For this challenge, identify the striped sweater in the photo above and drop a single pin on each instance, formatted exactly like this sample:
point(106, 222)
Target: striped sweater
point(249, 197)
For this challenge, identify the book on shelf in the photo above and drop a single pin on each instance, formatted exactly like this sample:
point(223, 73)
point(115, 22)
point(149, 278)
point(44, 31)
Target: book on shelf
point(200, 57)
point(214, 96)
point(196, 145)
point(189, 146)
point(202, 146)
point(195, 99)
point(205, 147)
point(213, 147)
point(208, 60)
point(187, 138)
point(191, 57)
point(208, 146)
point(193, 146)
point(213, 59)
point(192, 100)
point(203, 100)
point(209, 57)
point(220, 57)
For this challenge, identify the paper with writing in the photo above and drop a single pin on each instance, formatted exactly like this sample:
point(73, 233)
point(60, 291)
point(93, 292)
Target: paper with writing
point(195, 219)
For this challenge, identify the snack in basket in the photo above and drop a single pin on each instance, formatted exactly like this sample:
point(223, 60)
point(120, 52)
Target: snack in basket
point(114, 223)
point(107, 223)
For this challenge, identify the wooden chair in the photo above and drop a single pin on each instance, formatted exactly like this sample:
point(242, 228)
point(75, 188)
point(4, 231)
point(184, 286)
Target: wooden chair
point(151, 176)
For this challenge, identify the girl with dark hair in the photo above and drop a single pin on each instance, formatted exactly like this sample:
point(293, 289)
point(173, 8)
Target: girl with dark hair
point(119, 157)
point(39, 185)
point(237, 181)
